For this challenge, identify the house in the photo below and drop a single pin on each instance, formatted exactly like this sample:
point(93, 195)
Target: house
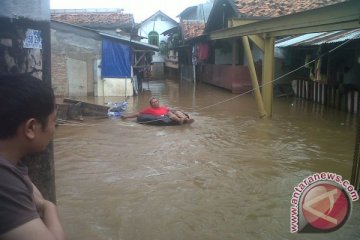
point(107, 20)
point(150, 30)
point(222, 62)
point(329, 79)
point(88, 62)
point(339, 16)
point(83, 43)
point(192, 24)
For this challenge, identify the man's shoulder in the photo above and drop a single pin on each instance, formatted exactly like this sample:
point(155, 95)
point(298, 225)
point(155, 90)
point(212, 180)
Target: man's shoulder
point(7, 166)
point(6, 169)
point(16, 202)
point(12, 178)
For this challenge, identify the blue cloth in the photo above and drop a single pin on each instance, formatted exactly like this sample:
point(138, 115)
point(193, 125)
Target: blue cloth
point(116, 60)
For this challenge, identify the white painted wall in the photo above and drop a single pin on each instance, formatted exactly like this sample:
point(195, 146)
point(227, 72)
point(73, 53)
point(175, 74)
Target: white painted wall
point(77, 77)
point(117, 87)
point(158, 58)
point(111, 87)
point(32, 9)
point(158, 24)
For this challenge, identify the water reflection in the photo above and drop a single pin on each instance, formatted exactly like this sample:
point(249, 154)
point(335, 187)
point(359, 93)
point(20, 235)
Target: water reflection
point(229, 175)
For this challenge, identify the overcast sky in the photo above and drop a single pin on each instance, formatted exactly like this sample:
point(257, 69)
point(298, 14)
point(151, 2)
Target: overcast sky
point(141, 9)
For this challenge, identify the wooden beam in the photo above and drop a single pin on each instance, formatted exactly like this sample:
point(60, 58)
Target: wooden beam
point(136, 50)
point(139, 66)
point(254, 79)
point(268, 75)
point(335, 17)
point(138, 61)
point(259, 41)
point(89, 109)
point(235, 52)
point(320, 28)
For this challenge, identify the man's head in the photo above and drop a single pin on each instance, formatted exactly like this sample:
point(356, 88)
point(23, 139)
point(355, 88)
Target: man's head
point(27, 105)
point(154, 102)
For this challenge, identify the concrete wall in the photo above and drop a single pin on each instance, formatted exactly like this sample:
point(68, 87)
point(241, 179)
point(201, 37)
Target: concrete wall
point(76, 65)
point(32, 9)
point(114, 87)
point(74, 55)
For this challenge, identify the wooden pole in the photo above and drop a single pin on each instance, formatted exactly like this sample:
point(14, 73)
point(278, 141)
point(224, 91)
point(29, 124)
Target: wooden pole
point(254, 79)
point(268, 75)
point(235, 52)
point(355, 173)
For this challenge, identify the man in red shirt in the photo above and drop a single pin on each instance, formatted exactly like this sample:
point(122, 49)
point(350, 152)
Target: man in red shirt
point(155, 108)
point(159, 111)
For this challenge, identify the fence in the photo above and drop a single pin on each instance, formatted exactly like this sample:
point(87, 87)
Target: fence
point(332, 96)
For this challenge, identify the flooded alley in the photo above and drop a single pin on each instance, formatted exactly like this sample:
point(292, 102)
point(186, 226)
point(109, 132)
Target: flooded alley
point(229, 175)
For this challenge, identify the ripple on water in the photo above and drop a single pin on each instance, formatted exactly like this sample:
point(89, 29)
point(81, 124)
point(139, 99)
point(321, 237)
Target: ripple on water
point(229, 175)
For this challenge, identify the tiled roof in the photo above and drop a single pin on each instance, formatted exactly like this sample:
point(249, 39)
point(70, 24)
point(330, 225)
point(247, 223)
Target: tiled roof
point(276, 8)
point(94, 19)
point(191, 29)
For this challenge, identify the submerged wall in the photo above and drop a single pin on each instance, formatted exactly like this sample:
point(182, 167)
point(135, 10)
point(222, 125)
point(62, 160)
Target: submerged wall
point(116, 87)
point(235, 78)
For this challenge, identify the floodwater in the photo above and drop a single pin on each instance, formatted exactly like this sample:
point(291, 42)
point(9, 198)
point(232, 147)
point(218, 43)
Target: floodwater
point(229, 175)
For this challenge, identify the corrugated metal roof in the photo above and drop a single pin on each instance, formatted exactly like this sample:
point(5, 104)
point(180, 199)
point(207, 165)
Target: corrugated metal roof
point(319, 38)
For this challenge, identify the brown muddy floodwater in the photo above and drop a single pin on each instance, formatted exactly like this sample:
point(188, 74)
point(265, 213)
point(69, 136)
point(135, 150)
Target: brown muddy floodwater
point(229, 175)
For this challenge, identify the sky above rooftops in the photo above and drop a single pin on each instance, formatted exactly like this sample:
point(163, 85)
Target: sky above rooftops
point(141, 9)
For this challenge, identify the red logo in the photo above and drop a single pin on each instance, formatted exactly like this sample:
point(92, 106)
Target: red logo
point(325, 207)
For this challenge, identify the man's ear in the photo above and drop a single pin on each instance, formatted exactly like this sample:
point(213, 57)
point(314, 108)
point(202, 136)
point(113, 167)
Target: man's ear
point(30, 128)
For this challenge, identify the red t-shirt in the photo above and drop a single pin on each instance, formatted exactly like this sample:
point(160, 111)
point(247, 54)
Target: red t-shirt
point(155, 111)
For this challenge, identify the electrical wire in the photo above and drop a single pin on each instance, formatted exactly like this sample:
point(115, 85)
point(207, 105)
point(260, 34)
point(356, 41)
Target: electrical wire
point(278, 78)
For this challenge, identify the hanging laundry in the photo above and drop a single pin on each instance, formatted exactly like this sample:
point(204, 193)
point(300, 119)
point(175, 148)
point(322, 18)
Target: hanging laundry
point(203, 51)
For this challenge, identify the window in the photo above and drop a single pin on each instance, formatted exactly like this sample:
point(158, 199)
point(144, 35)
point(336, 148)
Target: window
point(153, 38)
